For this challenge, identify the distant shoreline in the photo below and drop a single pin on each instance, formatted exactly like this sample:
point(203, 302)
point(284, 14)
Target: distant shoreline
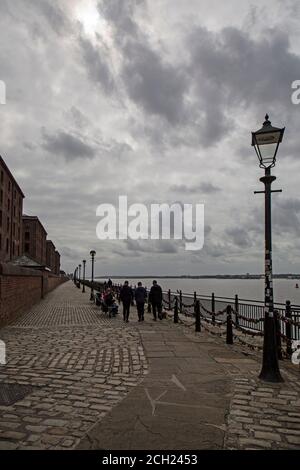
point(217, 276)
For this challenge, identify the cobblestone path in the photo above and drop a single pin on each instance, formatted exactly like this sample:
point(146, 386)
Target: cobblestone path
point(78, 363)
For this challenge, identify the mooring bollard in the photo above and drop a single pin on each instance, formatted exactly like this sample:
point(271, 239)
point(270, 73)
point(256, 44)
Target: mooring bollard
point(278, 334)
point(176, 311)
point(197, 316)
point(288, 328)
point(169, 298)
point(229, 335)
point(213, 317)
point(180, 301)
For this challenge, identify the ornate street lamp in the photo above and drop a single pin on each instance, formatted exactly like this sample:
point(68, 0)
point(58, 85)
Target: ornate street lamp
point(266, 142)
point(83, 281)
point(92, 253)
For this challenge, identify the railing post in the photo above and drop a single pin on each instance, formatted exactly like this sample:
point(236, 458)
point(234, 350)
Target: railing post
point(288, 328)
point(213, 317)
point(278, 334)
point(197, 316)
point(180, 301)
point(195, 297)
point(229, 335)
point(236, 308)
point(176, 310)
point(169, 298)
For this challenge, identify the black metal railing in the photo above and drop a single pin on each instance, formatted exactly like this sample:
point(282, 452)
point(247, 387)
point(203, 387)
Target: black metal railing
point(229, 315)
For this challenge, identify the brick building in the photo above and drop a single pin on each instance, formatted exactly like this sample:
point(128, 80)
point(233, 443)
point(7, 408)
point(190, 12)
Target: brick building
point(11, 207)
point(57, 263)
point(34, 239)
point(50, 255)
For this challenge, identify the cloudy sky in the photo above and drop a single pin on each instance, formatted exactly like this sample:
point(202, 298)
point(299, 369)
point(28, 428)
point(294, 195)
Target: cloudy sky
point(153, 99)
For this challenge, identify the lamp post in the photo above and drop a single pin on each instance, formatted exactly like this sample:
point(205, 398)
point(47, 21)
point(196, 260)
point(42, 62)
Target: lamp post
point(92, 253)
point(83, 281)
point(266, 142)
point(79, 266)
point(75, 276)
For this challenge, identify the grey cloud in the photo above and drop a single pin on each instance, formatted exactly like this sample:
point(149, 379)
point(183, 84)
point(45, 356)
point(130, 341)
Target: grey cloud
point(207, 188)
point(78, 118)
point(286, 216)
point(67, 145)
point(152, 83)
point(54, 15)
point(239, 237)
point(150, 246)
point(120, 14)
point(96, 61)
point(230, 70)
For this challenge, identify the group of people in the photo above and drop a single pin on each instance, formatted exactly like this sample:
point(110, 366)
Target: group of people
point(140, 295)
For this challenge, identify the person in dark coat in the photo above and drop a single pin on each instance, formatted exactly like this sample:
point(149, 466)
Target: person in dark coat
point(155, 298)
point(109, 283)
point(140, 295)
point(126, 297)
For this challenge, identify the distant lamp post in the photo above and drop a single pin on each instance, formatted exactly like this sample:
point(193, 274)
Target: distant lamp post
point(92, 253)
point(79, 266)
point(266, 142)
point(75, 276)
point(83, 280)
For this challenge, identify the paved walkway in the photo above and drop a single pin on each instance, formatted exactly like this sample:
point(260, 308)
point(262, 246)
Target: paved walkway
point(98, 383)
point(79, 364)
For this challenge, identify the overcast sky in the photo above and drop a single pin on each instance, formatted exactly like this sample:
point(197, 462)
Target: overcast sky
point(154, 99)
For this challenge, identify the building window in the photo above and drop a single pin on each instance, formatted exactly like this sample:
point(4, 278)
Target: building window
point(0, 218)
point(8, 185)
point(0, 241)
point(14, 229)
point(2, 177)
point(13, 248)
point(14, 211)
point(1, 197)
point(8, 204)
point(7, 245)
point(27, 235)
point(7, 224)
point(26, 247)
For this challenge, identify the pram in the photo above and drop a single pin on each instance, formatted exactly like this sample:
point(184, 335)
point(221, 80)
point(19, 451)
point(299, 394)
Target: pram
point(112, 308)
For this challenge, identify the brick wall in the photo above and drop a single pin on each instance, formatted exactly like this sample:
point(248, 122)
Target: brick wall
point(21, 288)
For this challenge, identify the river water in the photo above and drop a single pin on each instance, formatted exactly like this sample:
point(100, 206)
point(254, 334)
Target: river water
point(251, 289)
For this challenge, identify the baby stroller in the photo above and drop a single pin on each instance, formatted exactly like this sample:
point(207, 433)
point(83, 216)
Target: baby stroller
point(108, 305)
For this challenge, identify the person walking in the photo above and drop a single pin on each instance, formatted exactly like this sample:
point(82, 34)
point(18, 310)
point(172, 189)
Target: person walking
point(126, 298)
point(140, 296)
point(155, 298)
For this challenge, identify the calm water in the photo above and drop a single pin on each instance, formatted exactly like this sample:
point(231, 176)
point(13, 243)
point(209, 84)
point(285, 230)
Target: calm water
point(252, 289)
